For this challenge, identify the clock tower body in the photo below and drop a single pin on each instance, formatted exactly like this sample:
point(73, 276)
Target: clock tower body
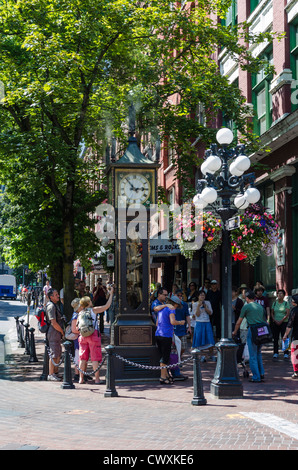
point(132, 182)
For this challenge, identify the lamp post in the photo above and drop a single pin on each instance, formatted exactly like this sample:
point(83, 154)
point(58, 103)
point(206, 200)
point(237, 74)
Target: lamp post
point(223, 170)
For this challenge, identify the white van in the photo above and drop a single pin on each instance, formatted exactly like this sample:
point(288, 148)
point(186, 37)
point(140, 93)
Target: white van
point(8, 286)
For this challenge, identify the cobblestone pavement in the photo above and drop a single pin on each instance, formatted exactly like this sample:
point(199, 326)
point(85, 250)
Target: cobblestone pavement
point(41, 415)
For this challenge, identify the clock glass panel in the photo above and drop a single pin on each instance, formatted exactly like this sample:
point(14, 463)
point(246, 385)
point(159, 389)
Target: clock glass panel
point(134, 273)
point(135, 187)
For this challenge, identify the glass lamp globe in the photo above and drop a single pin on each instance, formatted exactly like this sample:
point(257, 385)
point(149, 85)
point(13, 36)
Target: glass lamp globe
point(224, 136)
point(213, 163)
point(252, 195)
point(199, 202)
point(234, 170)
point(205, 169)
point(242, 163)
point(241, 202)
point(209, 195)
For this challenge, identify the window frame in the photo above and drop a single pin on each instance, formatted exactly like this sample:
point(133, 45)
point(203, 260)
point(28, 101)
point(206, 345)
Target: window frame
point(259, 85)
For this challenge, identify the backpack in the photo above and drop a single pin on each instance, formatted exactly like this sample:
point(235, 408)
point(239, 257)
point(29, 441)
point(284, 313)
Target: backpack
point(85, 323)
point(43, 324)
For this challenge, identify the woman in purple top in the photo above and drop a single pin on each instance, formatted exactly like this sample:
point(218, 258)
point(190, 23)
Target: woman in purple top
point(164, 334)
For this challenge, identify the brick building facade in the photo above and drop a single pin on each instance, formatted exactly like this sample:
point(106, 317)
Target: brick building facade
point(273, 100)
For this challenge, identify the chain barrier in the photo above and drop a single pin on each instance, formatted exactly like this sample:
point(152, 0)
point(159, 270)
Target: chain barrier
point(85, 372)
point(142, 366)
point(123, 359)
point(51, 357)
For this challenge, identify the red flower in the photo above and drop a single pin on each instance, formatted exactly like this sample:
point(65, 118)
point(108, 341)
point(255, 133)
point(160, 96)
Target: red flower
point(239, 256)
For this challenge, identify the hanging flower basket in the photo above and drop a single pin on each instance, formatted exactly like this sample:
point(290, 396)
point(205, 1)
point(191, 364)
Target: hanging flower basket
point(188, 223)
point(257, 233)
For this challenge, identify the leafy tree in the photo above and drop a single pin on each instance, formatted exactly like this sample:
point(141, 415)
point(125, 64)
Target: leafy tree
point(70, 69)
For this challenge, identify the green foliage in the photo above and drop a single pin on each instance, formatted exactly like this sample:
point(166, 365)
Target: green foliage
point(70, 70)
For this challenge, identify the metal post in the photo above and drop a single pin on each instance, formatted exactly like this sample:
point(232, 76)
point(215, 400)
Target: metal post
point(198, 398)
point(22, 342)
point(110, 374)
point(19, 332)
point(27, 339)
point(67, 379)
point(45, 370)
point(33, 357)
point(226, 382)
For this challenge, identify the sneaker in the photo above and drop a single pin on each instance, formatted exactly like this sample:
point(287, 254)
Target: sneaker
point(203, 359)
point(213, 358)
point(53, 378)
point(295, 375)
point(286, 356)
point(275, 356)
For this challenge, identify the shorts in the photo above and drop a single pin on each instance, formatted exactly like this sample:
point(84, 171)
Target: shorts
point(54, 342)
point(183, 340)
point(90, 346)
point(164, 345)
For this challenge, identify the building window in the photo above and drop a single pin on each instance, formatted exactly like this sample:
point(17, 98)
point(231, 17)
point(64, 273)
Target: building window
point(171, 152)
point(262, 98)
point(231, 18)
point(227, 120)
point(294, 62)
point(254, 4)
point(267, 198)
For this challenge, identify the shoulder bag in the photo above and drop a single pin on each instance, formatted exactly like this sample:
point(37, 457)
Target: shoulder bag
point(261, 333)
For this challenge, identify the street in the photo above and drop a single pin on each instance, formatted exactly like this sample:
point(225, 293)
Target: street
point(40, 415)
point(8, 310)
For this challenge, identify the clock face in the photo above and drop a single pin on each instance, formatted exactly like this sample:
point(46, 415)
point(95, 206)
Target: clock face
point(135, 187)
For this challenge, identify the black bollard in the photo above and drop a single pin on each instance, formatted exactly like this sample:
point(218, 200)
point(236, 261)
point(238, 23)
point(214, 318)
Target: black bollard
point(198, 398)
point(17, 327)
point(45, 370)
point(19, 333)
point(67, 379)
point(33, 357)
point(22, 342)
point(27, 339)
point(110, 374)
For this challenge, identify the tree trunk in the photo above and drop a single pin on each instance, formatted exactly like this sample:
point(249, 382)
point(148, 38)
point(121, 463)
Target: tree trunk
point(68, 259)
point(56, 275)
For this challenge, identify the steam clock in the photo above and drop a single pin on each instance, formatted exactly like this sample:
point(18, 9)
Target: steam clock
point(132, 182)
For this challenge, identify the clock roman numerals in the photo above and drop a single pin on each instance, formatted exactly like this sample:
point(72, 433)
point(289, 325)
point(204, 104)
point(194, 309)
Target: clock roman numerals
point(135, 187)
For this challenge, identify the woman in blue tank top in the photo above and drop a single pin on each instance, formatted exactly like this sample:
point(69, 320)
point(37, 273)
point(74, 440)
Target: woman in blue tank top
point(164, 334)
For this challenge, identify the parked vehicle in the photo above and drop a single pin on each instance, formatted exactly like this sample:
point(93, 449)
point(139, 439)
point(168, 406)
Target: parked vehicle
point(8, 286)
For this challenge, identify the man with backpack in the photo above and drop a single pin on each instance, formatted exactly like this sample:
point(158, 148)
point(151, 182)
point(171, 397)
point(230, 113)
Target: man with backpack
point(55, 333)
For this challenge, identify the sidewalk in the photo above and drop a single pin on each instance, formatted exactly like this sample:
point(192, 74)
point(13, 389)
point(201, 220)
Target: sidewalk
point(42, 415)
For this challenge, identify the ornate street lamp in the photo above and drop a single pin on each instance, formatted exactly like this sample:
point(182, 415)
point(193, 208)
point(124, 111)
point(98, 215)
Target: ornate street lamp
point(223, 170)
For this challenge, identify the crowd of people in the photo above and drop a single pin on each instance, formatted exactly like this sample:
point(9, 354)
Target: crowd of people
point(186, 317)
point(95, 303)
point(194, 313)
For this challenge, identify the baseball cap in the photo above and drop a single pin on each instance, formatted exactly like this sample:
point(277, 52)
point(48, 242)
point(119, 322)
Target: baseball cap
point(213, 281)
point(175, 299)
